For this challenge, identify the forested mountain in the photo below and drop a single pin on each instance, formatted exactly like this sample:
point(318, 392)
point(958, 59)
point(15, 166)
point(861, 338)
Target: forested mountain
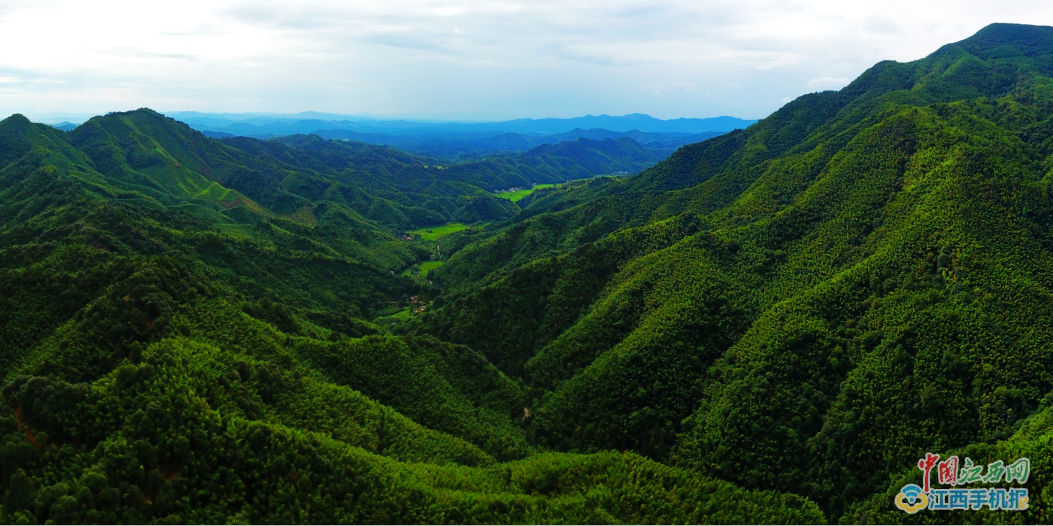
point(808, 305)
point(460, 141)
point(65, 126)
point(268, 126)
point(186, 336)
point(470, 145)
point(772, 325)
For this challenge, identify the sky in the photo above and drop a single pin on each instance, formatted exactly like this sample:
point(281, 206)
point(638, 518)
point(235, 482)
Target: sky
point(463, 60)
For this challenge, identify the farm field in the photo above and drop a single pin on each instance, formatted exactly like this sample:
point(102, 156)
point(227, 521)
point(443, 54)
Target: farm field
point(429, 265)
point(435, 232)
point(519, 194)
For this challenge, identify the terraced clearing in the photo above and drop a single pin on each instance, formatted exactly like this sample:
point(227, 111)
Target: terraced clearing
point(519, 194)
point(435, 232)
point(429, 265)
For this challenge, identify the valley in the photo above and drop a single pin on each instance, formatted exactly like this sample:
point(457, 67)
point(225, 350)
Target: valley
point(517, 194)
point(767, 325)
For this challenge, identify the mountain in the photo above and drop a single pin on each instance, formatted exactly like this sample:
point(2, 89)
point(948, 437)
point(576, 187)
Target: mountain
point(403, 190)
point(461, 141)
point(460, 146)
point(187, 335)
point(64, 126)
point(260, 117)
point(634, 121)
point(771, 325)
point(268, 127)
point(577, 159)
point(809, 305)
point(217, 135)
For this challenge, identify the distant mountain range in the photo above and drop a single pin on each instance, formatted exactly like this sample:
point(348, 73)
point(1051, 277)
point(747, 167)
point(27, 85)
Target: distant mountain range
point(267, 126)
point(64, 126)
point(778, 325)
point(459, 145)
point(453, 140)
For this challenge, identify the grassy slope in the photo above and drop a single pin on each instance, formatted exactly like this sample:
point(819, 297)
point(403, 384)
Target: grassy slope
point(520, 194)
point(436, 232)
point(428, 266)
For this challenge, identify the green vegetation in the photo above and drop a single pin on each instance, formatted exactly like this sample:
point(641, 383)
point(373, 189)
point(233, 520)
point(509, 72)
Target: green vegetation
point(769, 326)
point(428, 266)
point(435, 232)
point(516, 195)
point(195, 330)
point(806, 306)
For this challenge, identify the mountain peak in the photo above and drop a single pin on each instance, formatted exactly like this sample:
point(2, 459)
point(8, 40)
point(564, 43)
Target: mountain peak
point(1004, 40)
point(16, 120)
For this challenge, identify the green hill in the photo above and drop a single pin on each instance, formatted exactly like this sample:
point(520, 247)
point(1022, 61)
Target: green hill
point(186, 335)
point(772, 325)
point(808, 305)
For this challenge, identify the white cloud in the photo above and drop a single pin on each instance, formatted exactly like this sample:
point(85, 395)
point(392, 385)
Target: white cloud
point(881, 25)
point(825, 83)
point(524, 58)
point(675, 86)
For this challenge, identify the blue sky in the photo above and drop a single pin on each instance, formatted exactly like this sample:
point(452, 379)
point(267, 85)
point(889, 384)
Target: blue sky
point(464, 60)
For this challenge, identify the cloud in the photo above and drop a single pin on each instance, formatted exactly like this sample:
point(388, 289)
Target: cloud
point(524, 58)
point(675, 86)
point(406, 42)
point(825, 83)
point(882, 25)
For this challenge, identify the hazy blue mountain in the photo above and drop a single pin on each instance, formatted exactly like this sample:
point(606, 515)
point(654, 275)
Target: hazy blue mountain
point(635, 121)
point(267, 126)
point(217, 135)
point(458, 140)
point(221, 119)
point(64, 126)
point(471, 145)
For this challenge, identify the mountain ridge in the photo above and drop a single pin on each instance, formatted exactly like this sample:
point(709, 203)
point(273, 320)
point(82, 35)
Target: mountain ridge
point(823, 241)
point(166, 359)
point(411, 132)
point(771, 325)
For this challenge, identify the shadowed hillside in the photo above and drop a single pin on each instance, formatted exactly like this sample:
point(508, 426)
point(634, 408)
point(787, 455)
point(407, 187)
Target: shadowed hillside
point(187, 336)
point(769, 326)
point(808, 305)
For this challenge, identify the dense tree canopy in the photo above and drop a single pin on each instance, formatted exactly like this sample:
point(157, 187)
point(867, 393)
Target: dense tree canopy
point(772, 325)
point(808, 305)
point(190, 331)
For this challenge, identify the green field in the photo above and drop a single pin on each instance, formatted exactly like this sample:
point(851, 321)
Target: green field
point(424, 268)
point(435, 232)
point(519, 194)
point(428, 265)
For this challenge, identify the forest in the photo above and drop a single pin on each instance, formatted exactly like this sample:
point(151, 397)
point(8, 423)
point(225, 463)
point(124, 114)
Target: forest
point(772, 325)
